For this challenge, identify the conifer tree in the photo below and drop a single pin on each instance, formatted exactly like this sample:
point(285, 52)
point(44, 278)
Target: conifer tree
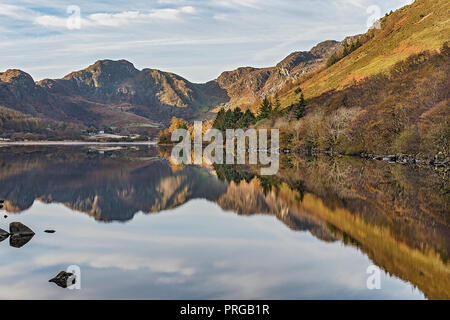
point(301, 107)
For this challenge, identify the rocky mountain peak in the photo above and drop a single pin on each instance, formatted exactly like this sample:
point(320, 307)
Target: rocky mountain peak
point(103, 73)
point(325, 49)
point(17, 77)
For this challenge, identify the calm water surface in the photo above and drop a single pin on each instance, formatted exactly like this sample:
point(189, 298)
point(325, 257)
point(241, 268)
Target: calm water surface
point(139, 227)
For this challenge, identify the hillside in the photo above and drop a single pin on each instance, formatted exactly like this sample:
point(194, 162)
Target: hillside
point(423, 25)
point(389, 96)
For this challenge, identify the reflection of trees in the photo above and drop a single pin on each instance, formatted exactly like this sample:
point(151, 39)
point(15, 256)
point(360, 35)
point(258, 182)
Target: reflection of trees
point(395, 214)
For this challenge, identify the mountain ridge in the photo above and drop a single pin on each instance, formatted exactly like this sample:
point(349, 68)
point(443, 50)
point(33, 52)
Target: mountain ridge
point(109, 91)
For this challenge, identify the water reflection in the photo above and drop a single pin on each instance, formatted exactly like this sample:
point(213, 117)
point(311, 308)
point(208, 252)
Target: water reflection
point(391, 214)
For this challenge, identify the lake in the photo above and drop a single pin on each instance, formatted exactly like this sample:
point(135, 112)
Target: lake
point(140, 227)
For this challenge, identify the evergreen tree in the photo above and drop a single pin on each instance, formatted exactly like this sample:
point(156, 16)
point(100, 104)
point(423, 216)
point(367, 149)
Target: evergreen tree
point(218, 122)
point(246, 119)
point(301, 107)
point(265, 109)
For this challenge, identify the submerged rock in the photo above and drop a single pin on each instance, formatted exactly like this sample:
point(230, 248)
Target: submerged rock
point(3, 235)
point(20, 234)
point(64, 279)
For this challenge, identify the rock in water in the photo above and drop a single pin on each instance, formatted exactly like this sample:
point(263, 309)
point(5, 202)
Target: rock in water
point(20, 234)
point(17, 228)
point(49, 231)
point(3, 235)
point(64, 279)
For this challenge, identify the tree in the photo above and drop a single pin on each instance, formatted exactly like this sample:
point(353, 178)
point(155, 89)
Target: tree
point(300, 107)
point(246, 119)
point(218, 122)
point(265, 109)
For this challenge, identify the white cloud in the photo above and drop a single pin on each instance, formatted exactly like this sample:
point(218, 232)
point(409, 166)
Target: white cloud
point(50, 21)
point(255, 4)
point(15, 12)
point(121, 18)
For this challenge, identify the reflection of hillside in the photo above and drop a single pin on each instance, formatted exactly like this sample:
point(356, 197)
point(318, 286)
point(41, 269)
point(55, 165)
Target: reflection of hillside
point(411, 202)
point(424, 268)
point(396, 215)
point(249, 198)
point(109, 186)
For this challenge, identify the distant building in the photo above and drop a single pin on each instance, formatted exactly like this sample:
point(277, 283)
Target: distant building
point(101, 132)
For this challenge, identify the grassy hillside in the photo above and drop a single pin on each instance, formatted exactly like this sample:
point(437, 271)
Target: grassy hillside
point(405, 111)
point(423, 25)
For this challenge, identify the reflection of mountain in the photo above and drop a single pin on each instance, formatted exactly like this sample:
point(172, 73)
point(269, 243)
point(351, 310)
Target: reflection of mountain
point(109, 186)
point(396, 215)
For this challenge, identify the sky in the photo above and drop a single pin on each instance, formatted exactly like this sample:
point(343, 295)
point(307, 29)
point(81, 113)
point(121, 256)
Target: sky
point(197, 39)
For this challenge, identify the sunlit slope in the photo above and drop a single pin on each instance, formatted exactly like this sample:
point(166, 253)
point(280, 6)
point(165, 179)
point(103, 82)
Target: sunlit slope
point(423, 25)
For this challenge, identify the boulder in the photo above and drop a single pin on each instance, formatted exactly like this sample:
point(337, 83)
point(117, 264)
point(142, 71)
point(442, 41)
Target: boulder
point(3, 235)
point(17, 228)
point(64, 279)
point(20, 234)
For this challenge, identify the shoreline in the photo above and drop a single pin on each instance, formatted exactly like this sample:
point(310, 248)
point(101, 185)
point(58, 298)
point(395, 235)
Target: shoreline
point(71, 143)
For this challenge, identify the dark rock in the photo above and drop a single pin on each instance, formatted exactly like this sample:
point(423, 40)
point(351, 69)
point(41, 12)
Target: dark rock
point(17, 228)
point(64, 279)
point(3, 235)
point(1, 206)
point(20, 234)
point(2, 201)
point(49, 231)
point(5, 216)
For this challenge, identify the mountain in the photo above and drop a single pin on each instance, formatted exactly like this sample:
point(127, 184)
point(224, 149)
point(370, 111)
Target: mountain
point(247, 84)
point(115, 96)
point(149, 92)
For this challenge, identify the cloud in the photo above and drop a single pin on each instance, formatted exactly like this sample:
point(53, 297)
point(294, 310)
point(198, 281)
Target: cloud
point(15, 12)
point(175, 35)
point(121, 18)
point(255, 4)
